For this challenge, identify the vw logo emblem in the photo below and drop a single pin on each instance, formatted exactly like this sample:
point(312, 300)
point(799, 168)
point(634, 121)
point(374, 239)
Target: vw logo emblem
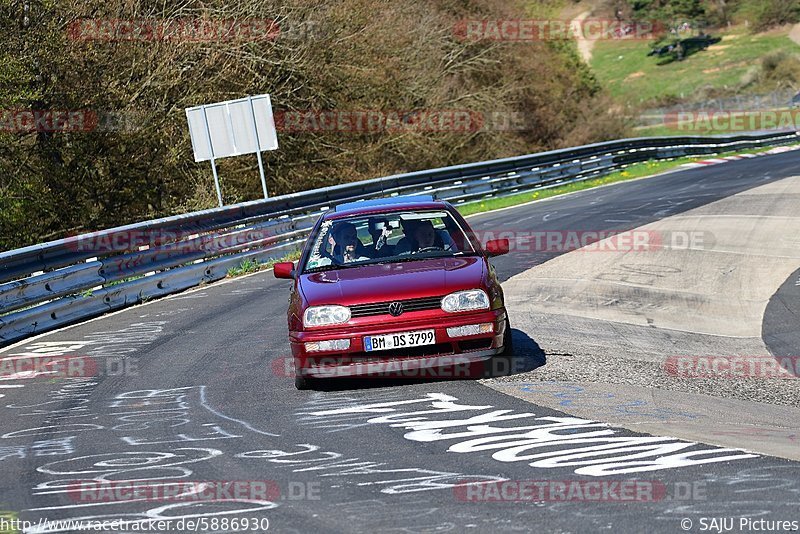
point(396, 308)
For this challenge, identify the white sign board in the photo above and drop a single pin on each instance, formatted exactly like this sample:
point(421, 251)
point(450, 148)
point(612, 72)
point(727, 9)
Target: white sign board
point(232, 128)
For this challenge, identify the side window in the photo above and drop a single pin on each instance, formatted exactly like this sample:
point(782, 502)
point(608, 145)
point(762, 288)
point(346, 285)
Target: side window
point(458, 237)
point(320, 250)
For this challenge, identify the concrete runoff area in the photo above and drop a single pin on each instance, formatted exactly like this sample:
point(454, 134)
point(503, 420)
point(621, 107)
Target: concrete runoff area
point(610, 318)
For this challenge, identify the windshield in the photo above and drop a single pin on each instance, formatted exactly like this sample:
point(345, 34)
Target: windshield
point(386, 238)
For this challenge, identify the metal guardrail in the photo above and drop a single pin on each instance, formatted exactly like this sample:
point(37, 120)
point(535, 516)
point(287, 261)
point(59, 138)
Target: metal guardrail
point(48, 285)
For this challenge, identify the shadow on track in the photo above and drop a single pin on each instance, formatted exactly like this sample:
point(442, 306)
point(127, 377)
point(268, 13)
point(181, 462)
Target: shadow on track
point(527, 357)
point(779, 325)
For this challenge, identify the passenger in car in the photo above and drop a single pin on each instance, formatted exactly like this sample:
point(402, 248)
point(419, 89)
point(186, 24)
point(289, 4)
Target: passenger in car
point(347, 247)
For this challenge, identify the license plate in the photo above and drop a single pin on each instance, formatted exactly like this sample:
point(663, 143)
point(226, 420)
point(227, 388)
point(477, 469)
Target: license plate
point(400, 340)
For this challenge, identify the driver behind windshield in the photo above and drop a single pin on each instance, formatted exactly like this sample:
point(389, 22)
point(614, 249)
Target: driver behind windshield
point(421, 236)
point(426, 237)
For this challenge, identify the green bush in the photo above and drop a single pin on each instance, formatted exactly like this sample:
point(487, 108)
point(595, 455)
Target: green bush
point(768, 13)
point(760, 14)
point(777, 70)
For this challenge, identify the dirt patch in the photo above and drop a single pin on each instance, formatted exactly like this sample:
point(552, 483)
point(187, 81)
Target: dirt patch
point(634, 75)
point(584, 45)
point(794, 34)
point(777, 30)
point(736, 64)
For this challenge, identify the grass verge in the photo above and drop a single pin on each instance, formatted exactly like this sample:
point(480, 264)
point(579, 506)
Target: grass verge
point(249, 266)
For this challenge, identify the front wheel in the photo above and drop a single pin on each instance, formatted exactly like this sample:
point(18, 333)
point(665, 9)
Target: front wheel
point(503, 363)
point(303, 382)
point(508, 341)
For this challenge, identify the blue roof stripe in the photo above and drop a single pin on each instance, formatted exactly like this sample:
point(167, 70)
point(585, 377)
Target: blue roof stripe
point(384, 202)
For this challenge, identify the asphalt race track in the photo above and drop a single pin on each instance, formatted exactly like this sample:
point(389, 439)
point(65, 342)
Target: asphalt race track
point(194, 389)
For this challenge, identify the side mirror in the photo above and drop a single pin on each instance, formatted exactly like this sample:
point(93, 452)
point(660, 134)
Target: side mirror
point(284, 269)
point(497, 247)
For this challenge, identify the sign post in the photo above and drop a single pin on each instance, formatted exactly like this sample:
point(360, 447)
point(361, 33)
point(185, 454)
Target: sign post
point(258, 152)
point(233, 128)
point(213, 162)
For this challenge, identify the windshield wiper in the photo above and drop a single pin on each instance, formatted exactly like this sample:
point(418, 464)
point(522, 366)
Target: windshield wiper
point(414, 257)
point(392, 259)
point(332, 267)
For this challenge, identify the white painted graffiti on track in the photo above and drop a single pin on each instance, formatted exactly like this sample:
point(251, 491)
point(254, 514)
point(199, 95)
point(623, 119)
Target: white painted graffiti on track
point(310, 458)
point(344, 421)
point(159, 431)
point(112, 346)
point(48, 447)
point(589, 447)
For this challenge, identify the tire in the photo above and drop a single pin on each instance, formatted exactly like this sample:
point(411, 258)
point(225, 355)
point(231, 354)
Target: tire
point(508, 341)
point(503, 363)
point(303, 382)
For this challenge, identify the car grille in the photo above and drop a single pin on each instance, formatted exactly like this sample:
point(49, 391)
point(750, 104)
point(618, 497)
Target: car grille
point(475, 344)
point(382, 308)
point(440, 349)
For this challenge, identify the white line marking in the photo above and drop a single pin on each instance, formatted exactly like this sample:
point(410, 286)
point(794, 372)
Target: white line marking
point(245, 424)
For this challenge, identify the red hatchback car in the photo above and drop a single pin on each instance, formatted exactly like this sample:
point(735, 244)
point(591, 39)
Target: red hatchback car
point(397, 285)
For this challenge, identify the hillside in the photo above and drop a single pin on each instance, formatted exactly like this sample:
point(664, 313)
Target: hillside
point(732, 66)
point(128, 157)
point(739, 55)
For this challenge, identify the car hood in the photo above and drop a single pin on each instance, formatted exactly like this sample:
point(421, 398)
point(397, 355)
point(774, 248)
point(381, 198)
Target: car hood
point(392, 281)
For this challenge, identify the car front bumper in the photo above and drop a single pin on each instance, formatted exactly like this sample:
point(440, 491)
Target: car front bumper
point(453, 354)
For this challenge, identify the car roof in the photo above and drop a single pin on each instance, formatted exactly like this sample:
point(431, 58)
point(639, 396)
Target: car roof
point(385, 205)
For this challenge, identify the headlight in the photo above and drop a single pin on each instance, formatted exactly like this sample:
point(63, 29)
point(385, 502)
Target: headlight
point(474, 299)
point(325, 315)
